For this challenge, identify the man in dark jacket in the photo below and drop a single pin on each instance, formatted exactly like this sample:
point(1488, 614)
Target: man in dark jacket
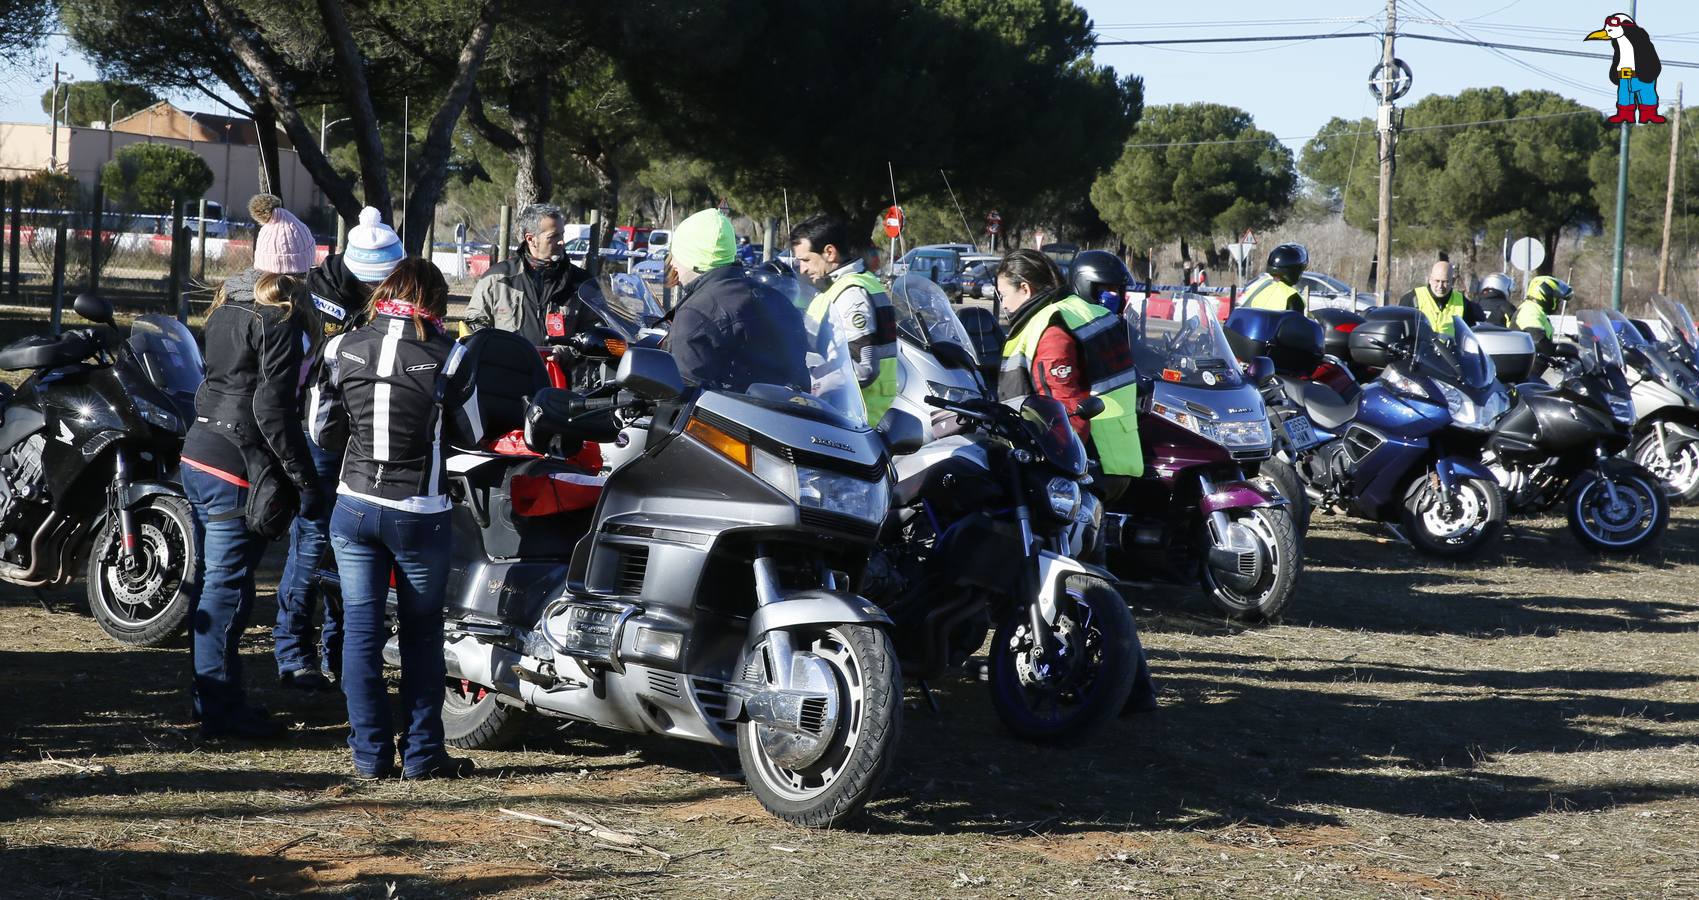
point(730, 331)
point(536, 292)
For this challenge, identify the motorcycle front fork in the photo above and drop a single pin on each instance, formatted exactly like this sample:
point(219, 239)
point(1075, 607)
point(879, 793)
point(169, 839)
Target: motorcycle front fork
point(120, 503)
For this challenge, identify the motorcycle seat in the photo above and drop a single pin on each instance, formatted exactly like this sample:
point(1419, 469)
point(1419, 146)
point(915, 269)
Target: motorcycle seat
point(1327, 408)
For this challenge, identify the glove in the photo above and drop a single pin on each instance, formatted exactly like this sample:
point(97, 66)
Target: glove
point(313, 500)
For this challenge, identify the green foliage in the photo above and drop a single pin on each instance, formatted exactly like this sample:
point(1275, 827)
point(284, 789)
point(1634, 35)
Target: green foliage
point(1648, 173)
point(92, 101)
point(51, 190)
point(22, 25)
point(1190, 188)
point(152, 177)
point(1456, 180)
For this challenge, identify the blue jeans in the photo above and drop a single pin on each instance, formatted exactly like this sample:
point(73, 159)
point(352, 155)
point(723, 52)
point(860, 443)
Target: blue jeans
point(222, 593)
point(1630, 91)
point(298, 591)
point(369, 541)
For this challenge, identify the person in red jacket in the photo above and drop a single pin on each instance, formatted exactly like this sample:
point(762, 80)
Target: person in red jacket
point(1057, 369)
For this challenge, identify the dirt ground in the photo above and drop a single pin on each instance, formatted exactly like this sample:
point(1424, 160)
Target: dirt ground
point(1527, 727)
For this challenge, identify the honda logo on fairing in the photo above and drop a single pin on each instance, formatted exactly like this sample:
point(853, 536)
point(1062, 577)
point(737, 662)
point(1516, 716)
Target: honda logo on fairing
point(835, 445)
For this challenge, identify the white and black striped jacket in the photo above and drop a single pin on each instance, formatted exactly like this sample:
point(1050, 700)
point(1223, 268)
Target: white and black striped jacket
point(379, 397)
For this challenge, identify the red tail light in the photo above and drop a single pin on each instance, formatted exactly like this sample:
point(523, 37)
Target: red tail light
point(1346, 327)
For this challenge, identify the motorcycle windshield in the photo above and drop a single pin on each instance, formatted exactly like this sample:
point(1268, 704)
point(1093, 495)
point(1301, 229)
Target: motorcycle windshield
point(925, 317)
point(1054, 434)
point(832, 393)
point(1626, 333)
point(1191, 345)
point(623, 302)
point(169, 355)
point(1600, 351)
point(1474, 364)
point(1678, 320)
point(789, 283)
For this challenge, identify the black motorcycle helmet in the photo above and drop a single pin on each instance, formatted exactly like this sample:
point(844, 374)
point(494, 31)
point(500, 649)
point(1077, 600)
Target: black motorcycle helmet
point(1287, 262)
point(1096, 271)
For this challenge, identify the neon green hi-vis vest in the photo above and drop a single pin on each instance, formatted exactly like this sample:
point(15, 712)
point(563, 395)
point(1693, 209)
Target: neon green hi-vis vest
point(881, 392)
point(1439, 317)
point(1268, 292)
point(1532, 315)
point(1106, 347)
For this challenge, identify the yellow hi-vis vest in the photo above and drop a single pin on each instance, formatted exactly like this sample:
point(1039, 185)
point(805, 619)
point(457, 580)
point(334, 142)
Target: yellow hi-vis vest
point(1439, 316)
point(881, 392)
point(1268, 292)
point(1532, 315)
point(1106, 347)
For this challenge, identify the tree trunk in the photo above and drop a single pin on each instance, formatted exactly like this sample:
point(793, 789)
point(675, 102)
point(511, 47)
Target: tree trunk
point(528, 113)
point(265, 127)
point(351, 72)
point(1551, 238)
point(258, 60)
point(432, 166)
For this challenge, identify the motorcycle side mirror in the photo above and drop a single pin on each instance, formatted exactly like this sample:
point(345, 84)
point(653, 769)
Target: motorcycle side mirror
point(598, 342)
point(1566, 351)
point(902, 433)
point(95, 309)
point(650, 374)
point(1260, 369)
point(1089, 408)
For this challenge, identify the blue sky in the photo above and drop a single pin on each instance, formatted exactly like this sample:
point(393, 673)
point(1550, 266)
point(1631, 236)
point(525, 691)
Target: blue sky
point(1290, 89)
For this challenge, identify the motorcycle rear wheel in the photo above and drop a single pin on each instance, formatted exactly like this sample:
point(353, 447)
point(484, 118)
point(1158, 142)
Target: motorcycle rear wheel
point(147, 604)
point(859, 754)
point(1633, 524)
point(1470, 528)
point(1100, 633)
point(1677, 467)
point(1275, 530)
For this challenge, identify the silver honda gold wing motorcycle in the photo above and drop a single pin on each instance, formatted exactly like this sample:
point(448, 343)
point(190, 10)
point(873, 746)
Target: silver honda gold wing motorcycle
point(706, 596)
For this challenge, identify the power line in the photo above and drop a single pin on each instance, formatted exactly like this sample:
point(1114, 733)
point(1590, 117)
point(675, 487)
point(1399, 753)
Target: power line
point(1525, 66)
point(1402, 35)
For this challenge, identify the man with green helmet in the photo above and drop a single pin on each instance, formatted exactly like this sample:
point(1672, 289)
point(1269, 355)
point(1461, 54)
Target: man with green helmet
point(1544, 296)
point(728, 329)
point(861, 310)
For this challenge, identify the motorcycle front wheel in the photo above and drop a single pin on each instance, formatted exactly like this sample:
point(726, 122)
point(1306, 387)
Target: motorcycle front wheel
point(1266, 593)
point(1625, 512)
point(1675, 462)
point(857, 750)
point(1082, 682)
point(144, 603)
point(1456, 530)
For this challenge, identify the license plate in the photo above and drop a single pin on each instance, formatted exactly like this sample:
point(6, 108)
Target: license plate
point(1300, 433)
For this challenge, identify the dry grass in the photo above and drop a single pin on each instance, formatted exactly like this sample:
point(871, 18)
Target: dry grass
point(1524, 728)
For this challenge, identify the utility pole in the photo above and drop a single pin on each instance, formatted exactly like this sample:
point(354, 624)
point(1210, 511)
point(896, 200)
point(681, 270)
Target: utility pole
point(53, 142)
point(1669, 197)
point(1621, 202)
point(1383, 229)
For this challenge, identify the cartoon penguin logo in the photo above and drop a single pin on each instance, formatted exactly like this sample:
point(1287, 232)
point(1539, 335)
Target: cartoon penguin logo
point(1634, 69)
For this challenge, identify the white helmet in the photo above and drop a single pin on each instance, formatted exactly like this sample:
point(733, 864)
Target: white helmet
point(1500, 282)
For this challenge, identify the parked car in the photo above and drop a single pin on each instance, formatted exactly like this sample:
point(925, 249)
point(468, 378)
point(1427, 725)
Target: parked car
point(1323, 291)
point(938, 262)
point(1062, 253)
point(980, 280)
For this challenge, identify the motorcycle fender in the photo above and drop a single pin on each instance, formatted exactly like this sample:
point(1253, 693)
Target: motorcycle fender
point(1053, 572)
point(1611, 466)
point(1240, 495)
point(1686, 431)
point(141, 490)
point(1452, 467)
point(815, 607)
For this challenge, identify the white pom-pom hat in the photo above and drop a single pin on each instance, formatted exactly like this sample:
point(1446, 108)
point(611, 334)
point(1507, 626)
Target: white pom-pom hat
point(374, 249)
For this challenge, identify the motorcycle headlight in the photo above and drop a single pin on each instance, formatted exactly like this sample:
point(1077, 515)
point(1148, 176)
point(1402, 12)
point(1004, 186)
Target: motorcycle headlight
point(1622, 408)
point(1406, 385)
point(1466, 413)
point(156, 415)
point(1243, 434)
point(1064, 497)
point(950, 393)
point(825, 490)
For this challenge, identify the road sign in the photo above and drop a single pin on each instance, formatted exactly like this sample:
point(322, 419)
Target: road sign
point(1527, 254)
point(1248, 238)
point(993, 222)
point(1241, 250)
point(1395, 83)
point(893, 222)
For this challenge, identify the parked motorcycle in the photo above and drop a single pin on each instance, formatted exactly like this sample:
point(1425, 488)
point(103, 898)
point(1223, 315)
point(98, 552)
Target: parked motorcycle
point(89, 445)
point(1666, 405)
point(706, 594)
point(1197, 516)
point(1559, 444)
point(1406, 448)
point(979, 541)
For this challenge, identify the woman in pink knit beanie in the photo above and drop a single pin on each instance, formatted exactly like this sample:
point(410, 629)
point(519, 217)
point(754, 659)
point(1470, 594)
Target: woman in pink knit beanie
point(285, 245)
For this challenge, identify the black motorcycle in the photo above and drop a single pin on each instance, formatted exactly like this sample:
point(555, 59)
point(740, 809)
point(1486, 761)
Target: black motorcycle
point(1560, 444)
point(89, 445)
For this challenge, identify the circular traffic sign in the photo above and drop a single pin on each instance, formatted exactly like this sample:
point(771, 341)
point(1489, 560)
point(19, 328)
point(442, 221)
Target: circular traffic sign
point(893, 222)
point(1399, 79)
point(993, 222)
point(1527, 254)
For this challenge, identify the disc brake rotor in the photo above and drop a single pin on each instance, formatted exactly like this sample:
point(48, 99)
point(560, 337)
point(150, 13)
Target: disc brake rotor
point(1450, 527)
point(138, 583)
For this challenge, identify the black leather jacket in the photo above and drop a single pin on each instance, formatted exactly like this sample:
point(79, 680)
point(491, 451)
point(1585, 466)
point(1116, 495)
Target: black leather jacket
point(730, 331)
point(251, 395)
